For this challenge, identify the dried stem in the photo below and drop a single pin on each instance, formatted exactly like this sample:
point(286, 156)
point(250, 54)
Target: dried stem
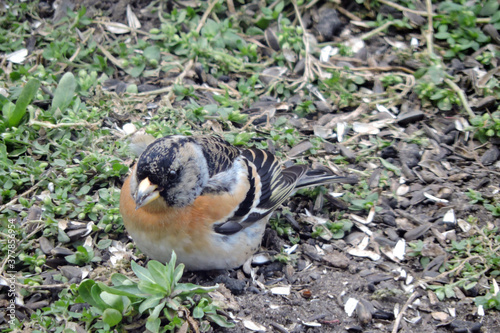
point(52, 126)
point(230, 6)
point(372, 33)
point(305, 40)
point(429, 35)
point(401, 8)
point(402, 312)
point(461, 96)
point(205, 15)
point(33, 188)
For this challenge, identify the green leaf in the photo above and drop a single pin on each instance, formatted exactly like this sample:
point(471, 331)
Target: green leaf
point(233, 40)
point(153, 324)
point(111, 317)
point(65, 92)
point(62, 237)
point(489, 207)
point(190, 288)
point(372, 197)
point(160, 275)
point(440, 294)
point(132, 89)
point(83, 190)
point(142, 273)
point(489, 8)
point(27, 94)
point(115, 301)
point(424, 261)
point(242, 138)
point(156, 311)
point(438, 95)
point(488, 301)
point(279, 7)
point(151, 288)
point(470, 285)
point(254, 31)
point(266, 11)
point(85, 292)
point(198, 313)
point(220, 320)
point(8, 110)
point(173, 260)
point(119, 279)
point(136, 71)
point(442, 35)
point(152, 53)
point(173, 304)
point(150, 302)
point(90, 293)
point(420, 72)
point(436, 74)
point(390, 166)
point(95, 292)
point(131, 291)
point(104, 244)
point(210, 29)
point(444, 104)
point(179, 270)
point(448, 290)
point(495, 18)
point(170, 266)
point(72, 259)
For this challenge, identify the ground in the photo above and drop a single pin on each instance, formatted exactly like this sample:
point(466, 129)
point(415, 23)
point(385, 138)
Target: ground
point(418, 233)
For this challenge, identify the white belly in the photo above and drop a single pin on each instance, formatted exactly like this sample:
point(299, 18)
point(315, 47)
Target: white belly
point(223, 252)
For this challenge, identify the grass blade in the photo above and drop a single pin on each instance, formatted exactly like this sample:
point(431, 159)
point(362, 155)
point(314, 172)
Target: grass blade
point(29, 91)
point(64, 92)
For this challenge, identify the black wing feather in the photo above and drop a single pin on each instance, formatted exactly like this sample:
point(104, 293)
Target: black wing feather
point(219, 153)
point(276, 186)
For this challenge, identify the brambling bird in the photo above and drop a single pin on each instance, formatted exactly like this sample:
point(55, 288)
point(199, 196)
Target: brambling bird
point(206, 200)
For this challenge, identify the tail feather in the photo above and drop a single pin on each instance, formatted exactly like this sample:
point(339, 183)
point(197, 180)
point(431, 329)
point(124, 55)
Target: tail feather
point(322, 176)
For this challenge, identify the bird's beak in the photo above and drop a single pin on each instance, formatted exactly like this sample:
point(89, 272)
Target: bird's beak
point(146, 193)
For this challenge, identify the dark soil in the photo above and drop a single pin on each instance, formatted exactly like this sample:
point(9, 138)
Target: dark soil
point(323, 276)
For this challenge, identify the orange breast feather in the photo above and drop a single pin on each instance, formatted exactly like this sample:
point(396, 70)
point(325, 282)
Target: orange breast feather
point(195, 221)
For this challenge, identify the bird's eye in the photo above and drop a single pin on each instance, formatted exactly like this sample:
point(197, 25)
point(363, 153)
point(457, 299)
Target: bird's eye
point(172, 175)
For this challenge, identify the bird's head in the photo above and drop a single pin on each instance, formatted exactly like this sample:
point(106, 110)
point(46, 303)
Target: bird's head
point(172, 169)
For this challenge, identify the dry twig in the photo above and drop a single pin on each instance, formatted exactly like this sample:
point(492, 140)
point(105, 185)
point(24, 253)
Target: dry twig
point(232, 92)
point(362, 108)
point(401, 8)
point(205, 15)
point(373, 69)
point(347, 13)
point(372, 33)
point(307, 63)
point(461, 96)
point(59, 125)
point(429, 35)
point(25, 193)
point(107, 54)
point(230, 6)
point(402, 312)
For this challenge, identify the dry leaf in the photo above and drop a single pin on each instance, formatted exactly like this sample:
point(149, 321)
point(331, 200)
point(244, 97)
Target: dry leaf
point(350, 306)
point(133, 21)
point(117, 28)
point(281, 290)
point(253, 326)
point(18, 56)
